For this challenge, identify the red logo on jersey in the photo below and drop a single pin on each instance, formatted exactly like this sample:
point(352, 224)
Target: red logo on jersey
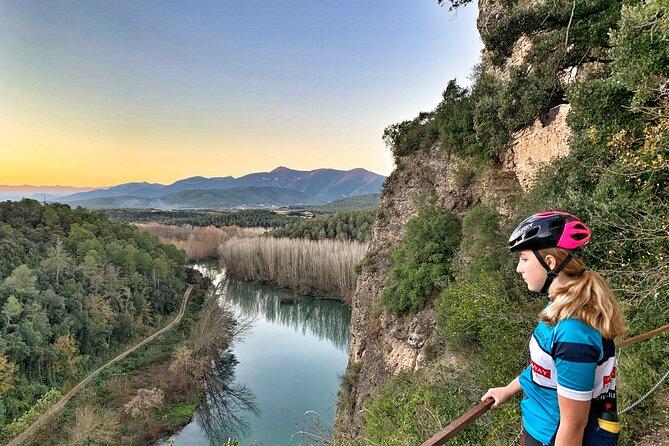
point(536, 368)
point(608, 378)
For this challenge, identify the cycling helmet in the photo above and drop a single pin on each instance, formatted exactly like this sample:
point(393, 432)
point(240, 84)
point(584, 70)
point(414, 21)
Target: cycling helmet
point(552, 229)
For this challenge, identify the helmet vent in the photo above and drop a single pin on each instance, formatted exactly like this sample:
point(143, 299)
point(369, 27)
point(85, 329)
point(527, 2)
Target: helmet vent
point(556, 224)
point(579, 236)
point(532, 232)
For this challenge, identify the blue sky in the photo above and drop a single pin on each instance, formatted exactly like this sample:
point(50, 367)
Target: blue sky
point(98, 93)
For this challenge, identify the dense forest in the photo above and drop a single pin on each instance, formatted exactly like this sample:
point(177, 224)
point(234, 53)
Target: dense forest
point(248, 218)
point(615, 178)
point(252, 218)
point(73, 287)
point(354, 225)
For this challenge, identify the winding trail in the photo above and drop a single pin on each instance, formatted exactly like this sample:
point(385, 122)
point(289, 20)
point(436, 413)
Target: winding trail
point(60, 404)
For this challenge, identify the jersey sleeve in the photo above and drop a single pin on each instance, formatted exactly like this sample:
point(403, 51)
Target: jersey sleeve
point(576, 349)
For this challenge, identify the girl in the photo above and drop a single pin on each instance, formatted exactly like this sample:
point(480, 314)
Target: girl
point(570, 384)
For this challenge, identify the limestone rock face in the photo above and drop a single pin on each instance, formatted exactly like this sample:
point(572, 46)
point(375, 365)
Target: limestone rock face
point(539, 144)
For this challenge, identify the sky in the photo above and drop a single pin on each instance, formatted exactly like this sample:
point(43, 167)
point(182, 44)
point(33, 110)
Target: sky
point(98, 93)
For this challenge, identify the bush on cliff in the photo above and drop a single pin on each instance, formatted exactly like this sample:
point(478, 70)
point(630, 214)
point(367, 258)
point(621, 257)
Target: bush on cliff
point(423, 262)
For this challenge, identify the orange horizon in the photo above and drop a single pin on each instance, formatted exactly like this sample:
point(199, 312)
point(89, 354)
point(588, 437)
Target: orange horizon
point(41, 181)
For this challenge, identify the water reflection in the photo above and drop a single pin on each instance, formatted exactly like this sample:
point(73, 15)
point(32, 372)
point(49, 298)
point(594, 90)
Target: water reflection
point(226, 404)
point(286, 365)
point(326, 320)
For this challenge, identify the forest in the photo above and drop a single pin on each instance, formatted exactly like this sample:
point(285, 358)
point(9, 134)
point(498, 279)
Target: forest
point(353, 225)
point(74, 287)
point(250, 218)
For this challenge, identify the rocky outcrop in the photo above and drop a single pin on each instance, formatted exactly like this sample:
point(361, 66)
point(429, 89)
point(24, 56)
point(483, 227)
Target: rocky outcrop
point(383, 344)
point(537, 145)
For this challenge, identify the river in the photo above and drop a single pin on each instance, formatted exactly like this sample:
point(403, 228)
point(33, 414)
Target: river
point(282, 378)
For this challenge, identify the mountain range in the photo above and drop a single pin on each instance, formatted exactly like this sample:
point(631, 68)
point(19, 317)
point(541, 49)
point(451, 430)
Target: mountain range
point(280, 187)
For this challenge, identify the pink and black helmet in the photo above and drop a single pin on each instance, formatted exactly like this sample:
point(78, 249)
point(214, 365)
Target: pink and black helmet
point(552, 229)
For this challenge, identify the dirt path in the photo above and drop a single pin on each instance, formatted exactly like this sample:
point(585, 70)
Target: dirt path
point(60, 404)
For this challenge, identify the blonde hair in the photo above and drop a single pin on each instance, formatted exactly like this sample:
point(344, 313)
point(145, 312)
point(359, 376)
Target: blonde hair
point(586, 297)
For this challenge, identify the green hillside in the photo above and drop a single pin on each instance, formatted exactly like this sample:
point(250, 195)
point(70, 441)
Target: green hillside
point(74, 286)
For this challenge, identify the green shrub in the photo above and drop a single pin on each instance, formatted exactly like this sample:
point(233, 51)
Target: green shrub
point(22, 423)
point(409, 409)
point(405, 137)
point(367, 263)
point(423, 262)
point(639, 49)
point(348, 382)
point(483, 242)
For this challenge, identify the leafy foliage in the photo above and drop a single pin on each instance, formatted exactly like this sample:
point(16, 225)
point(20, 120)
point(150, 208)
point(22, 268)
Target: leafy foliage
point(423, 263)
point(642, 38)
point(24, 421)
point(410, 409)
point(73, 285)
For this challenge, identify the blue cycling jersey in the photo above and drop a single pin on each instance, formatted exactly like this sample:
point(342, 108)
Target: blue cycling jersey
point(570, 359)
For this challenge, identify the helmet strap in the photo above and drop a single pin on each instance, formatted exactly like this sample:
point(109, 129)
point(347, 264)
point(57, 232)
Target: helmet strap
point(552, 274)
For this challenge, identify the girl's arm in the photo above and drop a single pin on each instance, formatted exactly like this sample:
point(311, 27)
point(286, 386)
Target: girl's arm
point(573, 419)
point(501, 394)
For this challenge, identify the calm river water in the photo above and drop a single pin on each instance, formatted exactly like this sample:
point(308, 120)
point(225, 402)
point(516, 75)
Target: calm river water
point(282, 377)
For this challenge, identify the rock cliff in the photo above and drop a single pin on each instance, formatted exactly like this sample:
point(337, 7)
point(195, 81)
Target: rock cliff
point(384, 344)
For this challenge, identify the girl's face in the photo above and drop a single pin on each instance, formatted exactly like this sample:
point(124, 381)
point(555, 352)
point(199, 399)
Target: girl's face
point(533, 273)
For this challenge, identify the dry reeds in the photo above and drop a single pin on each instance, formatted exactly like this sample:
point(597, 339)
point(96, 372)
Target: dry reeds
point(94, 425)
point(317, 267)
point(198, 242)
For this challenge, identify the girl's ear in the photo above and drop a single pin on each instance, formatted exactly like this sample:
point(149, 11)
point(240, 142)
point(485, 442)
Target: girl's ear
point(550, 261)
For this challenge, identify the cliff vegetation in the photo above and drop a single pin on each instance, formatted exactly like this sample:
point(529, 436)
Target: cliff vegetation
point(608, 60)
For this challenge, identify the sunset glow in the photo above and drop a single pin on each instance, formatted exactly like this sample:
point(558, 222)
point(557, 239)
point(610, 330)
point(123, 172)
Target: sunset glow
point(101, 93)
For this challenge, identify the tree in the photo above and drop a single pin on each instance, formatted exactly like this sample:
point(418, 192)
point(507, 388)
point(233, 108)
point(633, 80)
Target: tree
point(57, 259)
point(22, 280)
point(12, 308)
point(67, 346)
point(7, 370)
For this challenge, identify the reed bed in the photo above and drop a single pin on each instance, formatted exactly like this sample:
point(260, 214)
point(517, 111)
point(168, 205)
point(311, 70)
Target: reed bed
point(198, 242)
point(317, 267)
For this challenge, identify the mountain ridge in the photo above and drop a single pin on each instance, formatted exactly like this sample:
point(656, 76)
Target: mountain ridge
point(317, 186)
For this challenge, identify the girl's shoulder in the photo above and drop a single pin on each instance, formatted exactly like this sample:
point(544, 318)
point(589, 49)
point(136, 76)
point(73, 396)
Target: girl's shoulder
point(577, 331)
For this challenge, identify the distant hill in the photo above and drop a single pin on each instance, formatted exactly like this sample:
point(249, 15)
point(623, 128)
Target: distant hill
point(361, 202)
point(238, 197)
point(307, 187)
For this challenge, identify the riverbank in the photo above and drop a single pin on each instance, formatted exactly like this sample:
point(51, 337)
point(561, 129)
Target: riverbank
point(145, 397)
point(287, 365)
